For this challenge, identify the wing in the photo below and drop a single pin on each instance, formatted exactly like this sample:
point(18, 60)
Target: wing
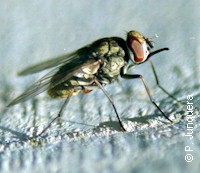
point(63, 71)
point(58, 61)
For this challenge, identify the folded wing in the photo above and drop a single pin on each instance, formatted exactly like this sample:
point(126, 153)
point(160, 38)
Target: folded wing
point(72, 63)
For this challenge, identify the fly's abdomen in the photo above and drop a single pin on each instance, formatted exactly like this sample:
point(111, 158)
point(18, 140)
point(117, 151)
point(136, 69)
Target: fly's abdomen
point(61, 91)
point(80, 80)
point(75, 84)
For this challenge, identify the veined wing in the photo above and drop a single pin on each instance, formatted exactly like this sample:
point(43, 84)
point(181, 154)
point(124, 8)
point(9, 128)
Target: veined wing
point(58, 61)
point(59, 75)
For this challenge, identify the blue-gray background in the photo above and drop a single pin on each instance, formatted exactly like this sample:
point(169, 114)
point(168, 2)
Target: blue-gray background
point(32, 31)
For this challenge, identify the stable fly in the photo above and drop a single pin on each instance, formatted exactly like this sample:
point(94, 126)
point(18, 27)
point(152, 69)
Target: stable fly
point(91, 67)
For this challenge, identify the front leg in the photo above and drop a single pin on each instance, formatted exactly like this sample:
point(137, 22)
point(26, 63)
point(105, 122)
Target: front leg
point(138, 76)
point(111, 101)
point(158, 83)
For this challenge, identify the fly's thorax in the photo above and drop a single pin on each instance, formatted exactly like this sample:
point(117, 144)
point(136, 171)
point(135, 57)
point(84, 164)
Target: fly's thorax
point(112, 66)
point(101, 49)
point(106, 47)
point(113, 60)
point(112, 56)
point(114, 49)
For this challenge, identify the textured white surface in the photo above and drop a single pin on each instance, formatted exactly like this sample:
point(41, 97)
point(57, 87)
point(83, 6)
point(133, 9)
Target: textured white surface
point(32, 31)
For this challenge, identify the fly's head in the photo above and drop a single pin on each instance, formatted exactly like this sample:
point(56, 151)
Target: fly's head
point(139, 46)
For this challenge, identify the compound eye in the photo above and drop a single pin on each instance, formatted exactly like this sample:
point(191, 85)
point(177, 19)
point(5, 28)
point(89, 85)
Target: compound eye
point(139, 50)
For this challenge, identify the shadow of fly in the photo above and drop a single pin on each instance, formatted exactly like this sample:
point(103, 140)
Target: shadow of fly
point(91, 67)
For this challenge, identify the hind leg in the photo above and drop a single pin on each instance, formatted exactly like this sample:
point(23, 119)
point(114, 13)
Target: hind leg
point(57, 117)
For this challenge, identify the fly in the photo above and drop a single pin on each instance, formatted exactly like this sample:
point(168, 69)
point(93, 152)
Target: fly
point(91, 67)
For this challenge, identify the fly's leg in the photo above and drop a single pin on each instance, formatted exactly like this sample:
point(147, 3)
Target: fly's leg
point(111, 101)
point(137, 76)
point(58, 116)
point(158, 83)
